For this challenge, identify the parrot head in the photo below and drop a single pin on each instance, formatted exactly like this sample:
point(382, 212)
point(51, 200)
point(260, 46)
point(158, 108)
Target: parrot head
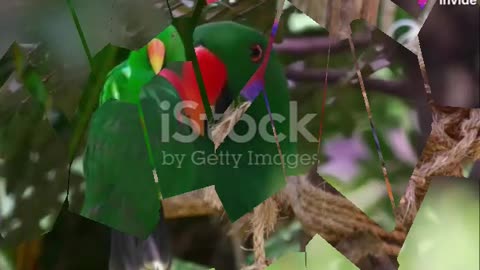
point(240, 48)
point(165, 47)
point(228, 55)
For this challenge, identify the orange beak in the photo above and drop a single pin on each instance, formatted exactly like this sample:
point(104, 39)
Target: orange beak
point(156, 54)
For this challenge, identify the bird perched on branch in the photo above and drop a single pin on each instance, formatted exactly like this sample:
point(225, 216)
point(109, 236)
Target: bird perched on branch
point(137, 128)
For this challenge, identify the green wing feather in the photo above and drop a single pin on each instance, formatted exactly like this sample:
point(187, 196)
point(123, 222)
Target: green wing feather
point(120, 187)
point(158, 101)
point(120, 191)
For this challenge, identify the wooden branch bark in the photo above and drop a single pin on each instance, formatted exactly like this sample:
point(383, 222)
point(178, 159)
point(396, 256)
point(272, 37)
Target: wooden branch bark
point(455, 138)
point(323, 210)
point(318, 206)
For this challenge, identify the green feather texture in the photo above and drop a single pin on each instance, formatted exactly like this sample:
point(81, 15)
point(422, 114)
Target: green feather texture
point(244, 185)
point(120, 187)
point(125, 80)
point(120, 191)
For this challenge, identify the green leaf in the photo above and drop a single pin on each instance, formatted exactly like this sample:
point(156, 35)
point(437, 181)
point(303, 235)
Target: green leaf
point(172, 158)
point(120, 188)
point(103, 62)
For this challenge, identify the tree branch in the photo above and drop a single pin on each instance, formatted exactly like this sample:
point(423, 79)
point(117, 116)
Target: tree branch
point(303, 198)
point(395, 88)
point(307, 45)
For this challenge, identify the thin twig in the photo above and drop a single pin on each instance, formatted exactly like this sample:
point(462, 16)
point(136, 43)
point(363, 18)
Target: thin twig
point(370, 118)
point(324, 101)
point(426, 83)
point(80, 32)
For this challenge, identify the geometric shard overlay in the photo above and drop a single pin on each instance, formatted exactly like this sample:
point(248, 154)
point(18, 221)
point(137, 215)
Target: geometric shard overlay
point(451, 203)
point(321, 255)
point(44, 88)
point(450, 46)
point(295, 260)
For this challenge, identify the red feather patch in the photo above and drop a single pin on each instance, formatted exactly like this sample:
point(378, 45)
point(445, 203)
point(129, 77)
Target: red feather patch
point(214, 76)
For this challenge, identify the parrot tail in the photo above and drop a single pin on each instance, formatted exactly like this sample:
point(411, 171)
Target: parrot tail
point(130, 253)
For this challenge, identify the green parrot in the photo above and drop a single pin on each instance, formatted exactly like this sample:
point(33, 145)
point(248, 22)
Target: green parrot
point(160, 132)
point(124, 83)
point(125, 80)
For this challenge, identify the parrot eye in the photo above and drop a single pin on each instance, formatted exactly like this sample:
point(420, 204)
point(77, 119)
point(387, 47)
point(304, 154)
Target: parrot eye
point(256, 53)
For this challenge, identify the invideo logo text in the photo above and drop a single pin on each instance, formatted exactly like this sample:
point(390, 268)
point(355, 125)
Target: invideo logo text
point(458, 2)
point(423, 3)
